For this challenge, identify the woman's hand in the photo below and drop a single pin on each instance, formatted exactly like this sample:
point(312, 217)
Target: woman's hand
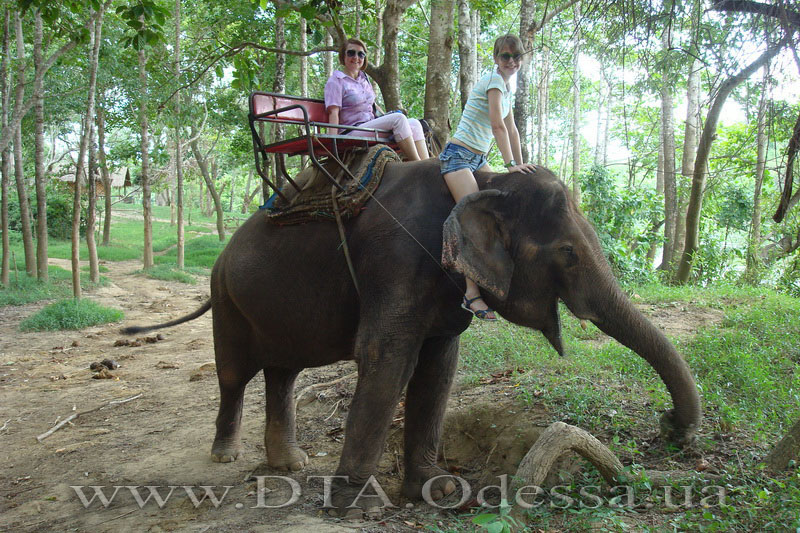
point(527, 168)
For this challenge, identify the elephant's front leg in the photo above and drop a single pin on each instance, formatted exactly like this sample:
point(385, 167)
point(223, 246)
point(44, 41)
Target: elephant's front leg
point(426, 401)
point(383, 371)
point(280, 442)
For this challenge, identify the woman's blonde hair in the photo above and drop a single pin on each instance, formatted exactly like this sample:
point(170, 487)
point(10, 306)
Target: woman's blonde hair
point(513, 43)
point(343, 50)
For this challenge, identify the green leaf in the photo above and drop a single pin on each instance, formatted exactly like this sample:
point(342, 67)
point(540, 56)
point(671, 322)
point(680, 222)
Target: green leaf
point(308, 12)
point(485, 518)
point(495, 527)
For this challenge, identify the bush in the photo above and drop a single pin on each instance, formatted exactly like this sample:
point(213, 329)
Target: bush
point(622, 218)
point(59, 216)
point(70, 314)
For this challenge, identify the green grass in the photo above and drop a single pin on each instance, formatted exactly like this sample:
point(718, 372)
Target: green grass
point(166, 272)
point(198, 252)
point(748, 371)
point(70, 314)
point(23, 289)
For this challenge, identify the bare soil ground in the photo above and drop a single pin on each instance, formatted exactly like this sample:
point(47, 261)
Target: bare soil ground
point(163, 436)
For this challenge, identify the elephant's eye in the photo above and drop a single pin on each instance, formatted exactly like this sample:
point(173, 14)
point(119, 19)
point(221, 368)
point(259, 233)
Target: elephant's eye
point(567, 249)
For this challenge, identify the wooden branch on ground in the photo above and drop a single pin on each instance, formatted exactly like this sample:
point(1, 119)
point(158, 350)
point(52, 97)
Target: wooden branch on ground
point(73, 416)
point(560, 438)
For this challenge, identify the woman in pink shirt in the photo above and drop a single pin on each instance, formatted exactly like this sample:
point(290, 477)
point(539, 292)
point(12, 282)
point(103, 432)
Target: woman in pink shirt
point(349, 99)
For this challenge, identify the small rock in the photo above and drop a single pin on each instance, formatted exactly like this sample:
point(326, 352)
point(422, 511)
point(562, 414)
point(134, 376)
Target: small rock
point(75, 344)
point(104, 374)
point(165, 365)
point(203, 372)
point(97, 367)
point(122, 342)
point(110, 364)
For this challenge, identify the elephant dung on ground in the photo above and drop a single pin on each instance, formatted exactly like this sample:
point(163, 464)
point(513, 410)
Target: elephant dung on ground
point(283, 300)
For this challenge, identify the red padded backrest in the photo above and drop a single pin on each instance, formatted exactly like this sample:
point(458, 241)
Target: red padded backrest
point(263, 102)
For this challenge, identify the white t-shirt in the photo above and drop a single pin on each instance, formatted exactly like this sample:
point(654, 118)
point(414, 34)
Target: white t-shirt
point(475, 128)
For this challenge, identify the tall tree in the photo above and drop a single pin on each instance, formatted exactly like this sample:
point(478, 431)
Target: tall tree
point(5, 153)
point(754, 263)
point(19, 170)
point(437, 78)
point(278, 86)
point(96, 29)
point(667, 141)
point(105, 174)
point(144, 177)
point(467, 51)
point(703, 151)
point(91, 207)
point(203, 164)
point(576, 106)
point(178, 148)
point(39, 166)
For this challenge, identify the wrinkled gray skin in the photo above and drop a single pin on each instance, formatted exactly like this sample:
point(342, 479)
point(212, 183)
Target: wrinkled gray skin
point(283, 300)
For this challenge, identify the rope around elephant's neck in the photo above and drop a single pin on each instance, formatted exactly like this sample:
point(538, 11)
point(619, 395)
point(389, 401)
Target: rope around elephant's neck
point(372, 196)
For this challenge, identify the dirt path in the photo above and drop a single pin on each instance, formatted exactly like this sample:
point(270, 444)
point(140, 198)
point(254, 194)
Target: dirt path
point(163, 437)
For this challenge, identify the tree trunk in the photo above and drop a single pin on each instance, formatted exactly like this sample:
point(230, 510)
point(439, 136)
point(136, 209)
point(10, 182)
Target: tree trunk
point(437, 78)
point(278, 86)
point(576, 108)
point(787, 449)
point(754, 263)
point(147, 211)
point(86, 139)
point(327, 59)
point(703, 151)
point(303, 85)
point(180, 259)
point(668, 142)
point(39, 166)
point(101, 156)
point(202, 163)
point(246, 198)
point(692, 119)
point(387, 74)
point(5, 153)
point(522, 104)
point(91, 209)
point(542, 111)
point(19, 171)
point(467, 53)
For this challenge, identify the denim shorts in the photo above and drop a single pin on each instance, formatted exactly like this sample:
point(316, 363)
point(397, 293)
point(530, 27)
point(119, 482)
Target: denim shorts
point(455, 157)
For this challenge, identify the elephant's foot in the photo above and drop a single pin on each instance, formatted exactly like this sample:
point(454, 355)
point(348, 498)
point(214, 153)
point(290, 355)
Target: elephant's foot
point(286, 457)
point(417, 477)
point(226, 451)
point(346, 502)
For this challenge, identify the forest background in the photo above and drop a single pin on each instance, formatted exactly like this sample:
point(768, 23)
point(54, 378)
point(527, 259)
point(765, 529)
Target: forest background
point(675, 123)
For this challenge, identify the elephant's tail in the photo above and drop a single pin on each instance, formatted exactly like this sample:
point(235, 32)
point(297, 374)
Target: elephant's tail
point(132, 330)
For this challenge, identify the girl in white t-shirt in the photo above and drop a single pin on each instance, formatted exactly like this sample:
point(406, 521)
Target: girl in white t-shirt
point(487, 115)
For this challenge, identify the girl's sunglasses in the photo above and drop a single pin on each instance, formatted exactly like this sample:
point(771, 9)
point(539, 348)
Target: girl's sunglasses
point(352, 53)
point(505, 56)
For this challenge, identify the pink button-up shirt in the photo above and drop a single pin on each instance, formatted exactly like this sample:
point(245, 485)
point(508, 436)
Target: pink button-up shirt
point(353, 97)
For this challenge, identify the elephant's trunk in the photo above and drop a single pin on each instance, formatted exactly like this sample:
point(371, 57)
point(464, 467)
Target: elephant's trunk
point(617, 317)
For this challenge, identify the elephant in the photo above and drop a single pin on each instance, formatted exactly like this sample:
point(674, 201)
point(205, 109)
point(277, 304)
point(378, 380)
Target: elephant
point(283, 299)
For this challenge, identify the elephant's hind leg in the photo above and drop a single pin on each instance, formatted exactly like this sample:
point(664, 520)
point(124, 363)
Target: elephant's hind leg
point(279, 437)
point(235, 368)
point(227, 445)
point(426, 400)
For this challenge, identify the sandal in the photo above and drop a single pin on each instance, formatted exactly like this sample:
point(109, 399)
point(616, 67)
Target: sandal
point(483, 314)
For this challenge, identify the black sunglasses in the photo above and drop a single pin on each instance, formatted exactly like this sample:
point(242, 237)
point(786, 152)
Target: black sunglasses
point(505, 56)
point(352, 53)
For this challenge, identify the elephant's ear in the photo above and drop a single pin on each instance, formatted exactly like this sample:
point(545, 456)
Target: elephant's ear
point(476, 241)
